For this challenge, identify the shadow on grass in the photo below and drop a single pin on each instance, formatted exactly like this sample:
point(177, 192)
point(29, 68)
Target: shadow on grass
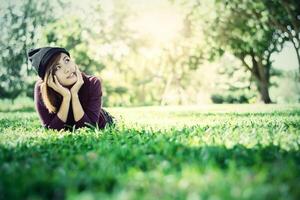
point(48, 168)
point(22, 109)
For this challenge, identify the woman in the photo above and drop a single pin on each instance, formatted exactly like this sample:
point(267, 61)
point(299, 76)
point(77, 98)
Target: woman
point(66, 98)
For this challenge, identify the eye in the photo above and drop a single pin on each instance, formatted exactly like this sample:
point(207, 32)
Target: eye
point(67, 60)
point(58, 67)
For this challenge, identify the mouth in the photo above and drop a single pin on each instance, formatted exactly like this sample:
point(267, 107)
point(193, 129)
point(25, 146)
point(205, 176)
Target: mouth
point(73, 74)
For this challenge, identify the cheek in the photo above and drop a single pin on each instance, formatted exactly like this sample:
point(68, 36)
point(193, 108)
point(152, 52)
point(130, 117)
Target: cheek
point(59, 76)
point(72, 66)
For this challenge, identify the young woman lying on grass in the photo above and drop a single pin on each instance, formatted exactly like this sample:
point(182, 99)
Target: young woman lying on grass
point(66, 98)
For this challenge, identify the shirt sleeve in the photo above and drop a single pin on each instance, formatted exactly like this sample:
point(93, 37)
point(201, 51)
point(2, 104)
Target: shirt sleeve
point(48, 120)
point(92, 111)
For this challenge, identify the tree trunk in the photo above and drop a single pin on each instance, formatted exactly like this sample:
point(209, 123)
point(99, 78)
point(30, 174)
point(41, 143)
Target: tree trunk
point(261, 74)
point(263, 89)
point(297, 52)
point(163, 100)
point(298, 58)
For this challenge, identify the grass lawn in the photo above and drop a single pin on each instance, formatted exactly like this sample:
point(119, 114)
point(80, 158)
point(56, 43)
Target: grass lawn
point(196, 152)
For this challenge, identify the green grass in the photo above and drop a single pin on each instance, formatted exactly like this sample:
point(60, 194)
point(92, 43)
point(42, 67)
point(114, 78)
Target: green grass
point(197, 152)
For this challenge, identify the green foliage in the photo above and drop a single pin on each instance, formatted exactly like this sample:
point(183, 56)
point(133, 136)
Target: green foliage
point(72, 34)
point(231, 97)
point(20, 104)
point(242, 28)
point(221, 152)
point(99, 44)
point(289, 79)
point(284, 15)
point(234, 84)
point(20, 22)
point(134, 69)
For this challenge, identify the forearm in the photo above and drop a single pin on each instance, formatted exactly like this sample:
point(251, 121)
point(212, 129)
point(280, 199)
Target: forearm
point(64, 108)
point(78, 111)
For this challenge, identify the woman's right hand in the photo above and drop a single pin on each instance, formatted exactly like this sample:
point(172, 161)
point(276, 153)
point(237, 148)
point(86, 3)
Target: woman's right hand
point(58, 87)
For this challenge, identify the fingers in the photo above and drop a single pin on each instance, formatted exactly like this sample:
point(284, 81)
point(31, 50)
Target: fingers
point(49, 77)
point(50, 80)
point(77, 70)
point(78, 74)
point(53, 83)
point(56, 81)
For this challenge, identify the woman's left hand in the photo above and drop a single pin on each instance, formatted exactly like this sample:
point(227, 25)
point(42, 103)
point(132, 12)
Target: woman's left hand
point(79, 82)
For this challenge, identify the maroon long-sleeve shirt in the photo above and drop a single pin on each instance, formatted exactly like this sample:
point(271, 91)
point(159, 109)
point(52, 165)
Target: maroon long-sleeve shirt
point(90, 97)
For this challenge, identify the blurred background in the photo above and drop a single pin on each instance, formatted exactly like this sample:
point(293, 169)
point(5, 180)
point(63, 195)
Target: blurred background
point(159, 52)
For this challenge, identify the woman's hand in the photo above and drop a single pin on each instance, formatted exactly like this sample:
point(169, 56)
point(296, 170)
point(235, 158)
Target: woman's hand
point(57, 86)
point(78, 84)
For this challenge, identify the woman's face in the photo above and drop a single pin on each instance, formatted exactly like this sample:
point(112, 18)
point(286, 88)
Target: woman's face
point(65, 70)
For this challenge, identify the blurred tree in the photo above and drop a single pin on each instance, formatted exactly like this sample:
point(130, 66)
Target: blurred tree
point(178, 62)
point(288, 90)
point(232, 26)
point(97, 41)
point(284, 15)
point(73, 34)
point(116, 45)
point(234, 83)
point(20, 23)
